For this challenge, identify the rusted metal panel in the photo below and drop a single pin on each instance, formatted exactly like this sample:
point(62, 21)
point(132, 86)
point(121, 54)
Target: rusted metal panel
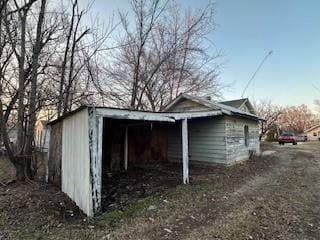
point(55, 154)
point(75, 160)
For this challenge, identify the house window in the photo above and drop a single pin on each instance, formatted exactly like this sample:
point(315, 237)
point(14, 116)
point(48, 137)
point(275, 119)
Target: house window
point(246, 135)
point(314, 134)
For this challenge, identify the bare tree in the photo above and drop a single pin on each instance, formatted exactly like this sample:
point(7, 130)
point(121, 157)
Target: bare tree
point(296, 118)
point(189, 68)
point(51, 61)
point(38, 44)
point(20, 97)
point(77, 80)
point(19, 49)
point(317, 103)
point(162, 55)
point(270, 113)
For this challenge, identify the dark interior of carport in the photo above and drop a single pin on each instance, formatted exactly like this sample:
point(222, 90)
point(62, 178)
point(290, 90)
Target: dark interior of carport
point(148, 171)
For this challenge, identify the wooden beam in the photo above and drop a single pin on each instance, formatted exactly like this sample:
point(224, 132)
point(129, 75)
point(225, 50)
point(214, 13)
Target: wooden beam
point(126, 149)
point(185, 151)
point(99, 122)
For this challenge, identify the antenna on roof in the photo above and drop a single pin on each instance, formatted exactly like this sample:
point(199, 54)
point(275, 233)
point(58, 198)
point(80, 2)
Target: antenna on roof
point(255, 73)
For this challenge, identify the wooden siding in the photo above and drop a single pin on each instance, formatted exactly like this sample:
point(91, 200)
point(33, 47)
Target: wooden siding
point(235, 138)
point(175, 143)
point(314, 134)
point(76, 160)
point(147, 144)
point(55, 151)
point(206, 141)
point(185, 105)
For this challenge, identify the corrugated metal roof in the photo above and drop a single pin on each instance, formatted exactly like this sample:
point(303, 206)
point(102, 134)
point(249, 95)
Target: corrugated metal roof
point(117, 113)
point(214, 109)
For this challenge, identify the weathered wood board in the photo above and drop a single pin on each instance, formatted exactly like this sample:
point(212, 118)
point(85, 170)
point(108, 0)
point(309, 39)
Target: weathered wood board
point(55, 154)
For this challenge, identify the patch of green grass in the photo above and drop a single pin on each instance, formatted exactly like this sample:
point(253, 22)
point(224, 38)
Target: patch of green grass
point(198, 190)
point(131, 211)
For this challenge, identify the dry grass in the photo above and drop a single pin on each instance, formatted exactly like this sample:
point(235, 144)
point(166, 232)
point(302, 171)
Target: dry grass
point(276, 197)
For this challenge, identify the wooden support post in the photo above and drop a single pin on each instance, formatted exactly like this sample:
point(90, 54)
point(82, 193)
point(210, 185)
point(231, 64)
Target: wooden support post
point(99, 127)
point(185, 152)
point(126, 149)
point(95, 151)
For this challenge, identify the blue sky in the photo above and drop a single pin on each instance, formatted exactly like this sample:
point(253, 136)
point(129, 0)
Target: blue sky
point(246, 31)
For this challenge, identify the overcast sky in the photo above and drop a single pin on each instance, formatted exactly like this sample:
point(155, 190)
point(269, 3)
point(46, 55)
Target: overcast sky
point(247, 30)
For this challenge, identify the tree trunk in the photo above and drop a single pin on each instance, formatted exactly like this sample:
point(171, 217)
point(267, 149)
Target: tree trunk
point(20, 169)
point(60, 106)
point(21, 89)
point(33, 94)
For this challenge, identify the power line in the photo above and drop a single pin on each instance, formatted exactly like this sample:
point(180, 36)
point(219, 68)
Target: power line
point(255, 73)
point(315, 87)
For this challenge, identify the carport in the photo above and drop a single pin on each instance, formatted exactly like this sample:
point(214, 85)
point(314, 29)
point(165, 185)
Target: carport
point(95, 140)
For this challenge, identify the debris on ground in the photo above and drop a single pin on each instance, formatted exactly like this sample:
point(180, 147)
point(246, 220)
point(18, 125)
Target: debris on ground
point(277, 197)
point(123, 188)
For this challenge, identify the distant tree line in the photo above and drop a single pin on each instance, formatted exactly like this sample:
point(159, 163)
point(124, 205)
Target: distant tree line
point(279, 119)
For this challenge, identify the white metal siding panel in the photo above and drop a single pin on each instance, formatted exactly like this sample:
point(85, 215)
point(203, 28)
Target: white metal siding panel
point(310, 134)
point(236, 149)
point(75, 160)
point(95, 151)
point(206, 141)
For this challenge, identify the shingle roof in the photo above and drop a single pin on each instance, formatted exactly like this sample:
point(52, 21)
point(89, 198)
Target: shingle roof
point(312, 128)
point(235, 103)
point(215, 106)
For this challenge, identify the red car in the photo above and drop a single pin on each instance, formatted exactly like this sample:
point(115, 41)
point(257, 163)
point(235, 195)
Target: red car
point(287, 138)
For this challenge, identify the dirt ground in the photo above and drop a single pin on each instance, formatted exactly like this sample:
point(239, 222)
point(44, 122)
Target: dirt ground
point(126, 187)
point(122, 189)
point(276, 196)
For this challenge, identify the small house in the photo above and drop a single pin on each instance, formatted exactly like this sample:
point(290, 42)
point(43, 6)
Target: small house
point(90, 141)
point(42, 135)
point(313, 133)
